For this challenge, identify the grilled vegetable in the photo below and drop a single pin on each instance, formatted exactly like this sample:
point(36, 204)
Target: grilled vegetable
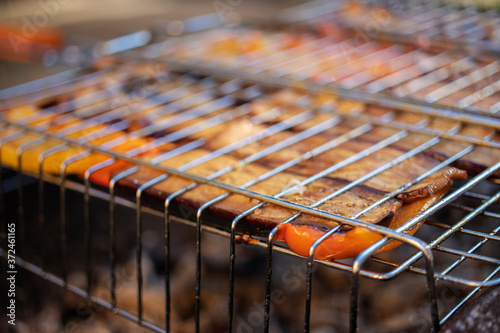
point(349, 243)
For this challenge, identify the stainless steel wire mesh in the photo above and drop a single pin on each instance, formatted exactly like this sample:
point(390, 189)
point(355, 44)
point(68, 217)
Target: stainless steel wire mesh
point(91, 122)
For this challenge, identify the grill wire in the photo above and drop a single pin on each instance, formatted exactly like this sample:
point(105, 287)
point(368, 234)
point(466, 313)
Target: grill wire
point(353, 59)
point(447, 78)
point(227, 85)
point(435, 21)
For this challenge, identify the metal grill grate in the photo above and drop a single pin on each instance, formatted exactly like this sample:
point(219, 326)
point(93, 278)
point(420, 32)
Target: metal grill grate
point(100, 109)
point(123, 114)
point(347, 59)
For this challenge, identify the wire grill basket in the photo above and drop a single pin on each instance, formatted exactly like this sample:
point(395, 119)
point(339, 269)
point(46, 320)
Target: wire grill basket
point(89, 119)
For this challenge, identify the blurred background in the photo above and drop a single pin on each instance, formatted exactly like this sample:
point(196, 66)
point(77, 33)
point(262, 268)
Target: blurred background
point(86, 22)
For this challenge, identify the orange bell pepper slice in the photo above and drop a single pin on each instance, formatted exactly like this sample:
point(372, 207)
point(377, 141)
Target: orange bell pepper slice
point(348, 244)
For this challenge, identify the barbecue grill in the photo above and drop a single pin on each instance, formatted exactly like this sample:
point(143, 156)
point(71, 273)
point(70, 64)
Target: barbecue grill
point(181, 81)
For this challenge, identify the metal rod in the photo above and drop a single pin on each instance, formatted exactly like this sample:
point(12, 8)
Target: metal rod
point(41, 200)
point(112, 230)
point(471, 78)
point(269, 279)
point(309, 283)
point(197, 288)
point(366, 254)
point(20, 198)
point(63, 211)
point(467, 231)
point(138, 197)
point(232, 263)
point(80, 292)
point(86, 220)
point(167, 265)
point(467, 298)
